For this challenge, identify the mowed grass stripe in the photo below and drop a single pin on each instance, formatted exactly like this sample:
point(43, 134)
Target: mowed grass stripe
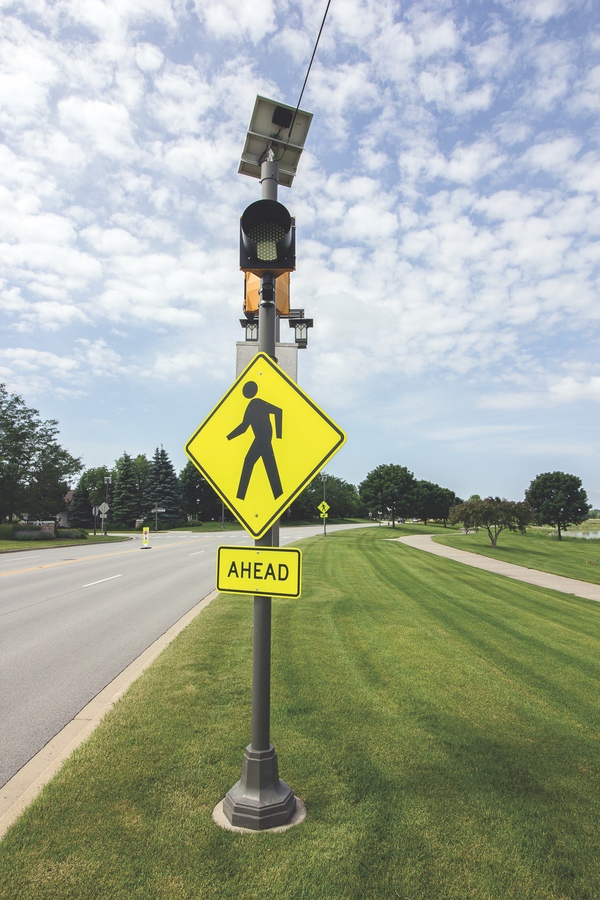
point(441, 725)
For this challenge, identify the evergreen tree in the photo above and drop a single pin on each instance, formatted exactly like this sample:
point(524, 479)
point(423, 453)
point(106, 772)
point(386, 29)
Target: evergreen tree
point(80, 508)
point(126, 503)
point(164, 489)
point(143, 475)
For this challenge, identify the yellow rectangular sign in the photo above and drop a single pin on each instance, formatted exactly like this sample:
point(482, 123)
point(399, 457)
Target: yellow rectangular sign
point(262, 571)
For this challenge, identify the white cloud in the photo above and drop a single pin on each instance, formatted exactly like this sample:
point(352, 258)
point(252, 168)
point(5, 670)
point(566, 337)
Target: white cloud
point(337, 91)
point(182, 98)
point(555, 74)
point(570, 389)
point(468, 164)
point(537, 10)
point(587, 94)
point(510, 204)
point(492, 56)
point(106, 126)
point(148, 57)
point(296, 43)
point(111, 241)
point(553, 156)
point(447, 86)
point(252, 19)
point(433, 36)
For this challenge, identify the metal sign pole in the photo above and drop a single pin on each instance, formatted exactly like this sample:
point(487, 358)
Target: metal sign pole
point(260, 800)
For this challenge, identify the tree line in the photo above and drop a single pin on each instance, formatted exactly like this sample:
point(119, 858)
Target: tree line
point(36, 473)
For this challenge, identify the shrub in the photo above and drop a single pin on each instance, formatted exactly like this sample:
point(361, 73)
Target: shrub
point(71, 533)
point(29, 534)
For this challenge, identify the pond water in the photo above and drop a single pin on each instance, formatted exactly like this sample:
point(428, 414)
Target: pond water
point(588, 535)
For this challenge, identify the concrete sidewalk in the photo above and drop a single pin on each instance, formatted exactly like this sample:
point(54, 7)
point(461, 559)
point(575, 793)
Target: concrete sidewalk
point(519, 573)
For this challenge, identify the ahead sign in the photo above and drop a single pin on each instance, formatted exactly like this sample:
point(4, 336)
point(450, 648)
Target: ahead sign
point(262, 444)
point(268, 571)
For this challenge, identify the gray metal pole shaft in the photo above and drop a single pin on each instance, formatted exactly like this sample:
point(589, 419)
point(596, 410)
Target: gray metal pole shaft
point(261, 668)
point(261, 651)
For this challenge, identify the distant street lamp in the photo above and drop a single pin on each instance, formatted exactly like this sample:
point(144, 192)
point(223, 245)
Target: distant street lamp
point(107, 483)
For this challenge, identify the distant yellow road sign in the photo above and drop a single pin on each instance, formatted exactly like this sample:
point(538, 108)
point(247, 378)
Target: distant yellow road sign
point(262, 444)
point(324, 507)
point(269, 571)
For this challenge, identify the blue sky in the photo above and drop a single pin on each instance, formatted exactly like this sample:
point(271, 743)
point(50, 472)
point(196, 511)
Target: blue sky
point(447, 218)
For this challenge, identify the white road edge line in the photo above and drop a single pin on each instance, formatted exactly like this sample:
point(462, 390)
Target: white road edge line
point(102, 580)
point(197, 552)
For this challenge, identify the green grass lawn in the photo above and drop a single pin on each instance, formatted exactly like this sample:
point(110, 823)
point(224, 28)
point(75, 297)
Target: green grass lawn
point(571, 557)
point(440, 723)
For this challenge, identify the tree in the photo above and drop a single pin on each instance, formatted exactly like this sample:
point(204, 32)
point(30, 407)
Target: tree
point(80, 508)
point(304, 508)
point(35, 469)
point(558, 499)
point(341, 496)
point(494, 514)
point(164, 489)
point(126, 498)
point(198, 498)
point(143, 475)
point(389, 489)
point(432, 501)
point(93, 481)
point(448, 500)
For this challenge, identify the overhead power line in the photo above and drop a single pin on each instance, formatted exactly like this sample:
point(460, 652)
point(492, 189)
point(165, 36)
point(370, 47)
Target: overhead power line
point(307, 74)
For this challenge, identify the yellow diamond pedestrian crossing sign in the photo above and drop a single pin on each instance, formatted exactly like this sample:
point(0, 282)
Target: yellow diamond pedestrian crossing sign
point(262, 444)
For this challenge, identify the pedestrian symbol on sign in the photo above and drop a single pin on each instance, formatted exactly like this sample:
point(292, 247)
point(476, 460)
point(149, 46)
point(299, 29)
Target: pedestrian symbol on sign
point(258, 418)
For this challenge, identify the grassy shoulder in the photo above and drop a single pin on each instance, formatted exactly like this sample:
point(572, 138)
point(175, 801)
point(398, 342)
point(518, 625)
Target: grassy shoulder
point(536, 549)
point(440, 724)
point(12, 546)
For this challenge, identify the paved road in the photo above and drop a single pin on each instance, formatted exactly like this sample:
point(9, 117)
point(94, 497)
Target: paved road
point(520, 573)
point(71, 619)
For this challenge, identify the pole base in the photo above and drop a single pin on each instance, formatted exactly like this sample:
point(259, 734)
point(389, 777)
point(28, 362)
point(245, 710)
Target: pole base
point(259, 800)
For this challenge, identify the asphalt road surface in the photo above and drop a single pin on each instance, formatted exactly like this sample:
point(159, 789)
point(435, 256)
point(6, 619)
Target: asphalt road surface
point(71, 619)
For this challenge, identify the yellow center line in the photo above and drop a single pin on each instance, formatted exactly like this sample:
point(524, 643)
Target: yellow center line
point(68, 562)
